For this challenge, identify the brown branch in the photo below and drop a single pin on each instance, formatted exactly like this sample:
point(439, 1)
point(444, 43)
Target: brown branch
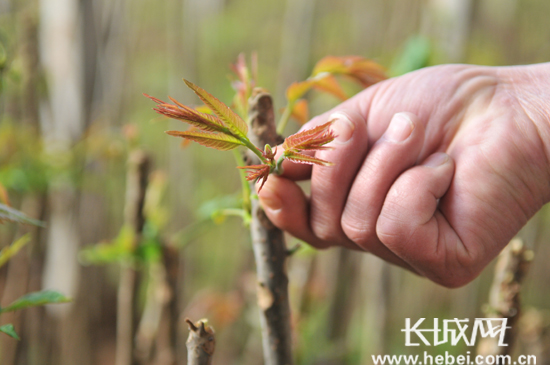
point(504, 297)
point(157, 331)
point(201, 343)
point(269, 249)
point(136, 185)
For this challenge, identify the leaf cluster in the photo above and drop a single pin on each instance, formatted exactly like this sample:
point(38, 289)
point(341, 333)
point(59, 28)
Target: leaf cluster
point(219, 127)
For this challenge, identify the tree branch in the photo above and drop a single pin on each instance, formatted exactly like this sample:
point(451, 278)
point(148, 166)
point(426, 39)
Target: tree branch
point(504, 297)
point(201, 343)
point(269, 248)
point(136, 185)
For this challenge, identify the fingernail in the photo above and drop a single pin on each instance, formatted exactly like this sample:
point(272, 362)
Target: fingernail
point(437, 159)
point(269, 199)
point(342, 127)
point(400, 128)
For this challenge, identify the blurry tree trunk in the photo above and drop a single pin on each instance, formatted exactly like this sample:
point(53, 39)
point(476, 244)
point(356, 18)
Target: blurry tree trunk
point(504, 297)
point(24, 272)
point(62, 122)
point(194, 13)
point(376, 276)
point(342, 303)
point(82, 47)
point(295, 44)
point(156, 334)
point(166, 342)
point(367, 20)
point(450, 25)
point(107, 48)
point(269, 249)
point(16, 286)
point(136, 186)
point(36, 335)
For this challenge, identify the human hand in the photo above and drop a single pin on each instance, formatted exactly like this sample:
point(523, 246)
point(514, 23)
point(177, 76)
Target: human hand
point(442, 189)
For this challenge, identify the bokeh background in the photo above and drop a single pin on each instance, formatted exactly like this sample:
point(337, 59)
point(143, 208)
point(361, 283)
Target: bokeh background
point(72, 75)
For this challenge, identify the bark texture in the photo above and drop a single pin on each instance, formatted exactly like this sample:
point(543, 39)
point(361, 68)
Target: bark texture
point(269, 249)
point(504, 297)
point(201, 343)
point(136, 185)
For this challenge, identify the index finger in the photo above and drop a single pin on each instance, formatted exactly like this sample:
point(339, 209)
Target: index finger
point(359, 103)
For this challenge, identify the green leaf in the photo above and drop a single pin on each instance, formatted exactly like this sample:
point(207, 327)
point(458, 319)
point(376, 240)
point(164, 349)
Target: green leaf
point(222, 142)
point(10, 331)
point(211, 208)
point(36, 299)
point(233, 122)
point(415, 55)
point(8, 252)
point(119, 249)
point(3, 56)
point(13, 215)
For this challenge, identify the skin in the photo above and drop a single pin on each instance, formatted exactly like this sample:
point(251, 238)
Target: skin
point(444, 188)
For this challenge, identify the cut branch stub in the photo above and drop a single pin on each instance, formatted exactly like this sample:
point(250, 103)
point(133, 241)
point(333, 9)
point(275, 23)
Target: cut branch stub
point(504, 298)
point(269, 248)
point(201, 343)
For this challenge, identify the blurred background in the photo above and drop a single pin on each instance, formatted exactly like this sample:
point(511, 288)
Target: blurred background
point(76, 133)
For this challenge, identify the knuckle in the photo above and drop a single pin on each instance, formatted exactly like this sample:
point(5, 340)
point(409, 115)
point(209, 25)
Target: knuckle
point(325, 232)
point(452, 279)
point(320, 245)
point(358, 232)
point(452, 274)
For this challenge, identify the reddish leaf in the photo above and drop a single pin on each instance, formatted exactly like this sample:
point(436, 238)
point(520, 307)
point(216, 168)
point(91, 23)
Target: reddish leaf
point(254, 66)
point(305, 159)
point(367, 73)
point(241, 70)
point(203, 121)
point(219, 141)
point(310, 139)
point(187, 142)
point(329, 84)
point(232, 121)
point(300, 111)
point(244, 83)
point(257, 172)
point(297, 89)
point(4, 198)
point(324, 81)
point(363, 70)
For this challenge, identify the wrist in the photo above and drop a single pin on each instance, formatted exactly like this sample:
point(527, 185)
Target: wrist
point(530, 87)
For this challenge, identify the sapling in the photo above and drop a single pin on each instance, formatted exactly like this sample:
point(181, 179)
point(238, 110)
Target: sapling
point(9, 214)
point(252, 126)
